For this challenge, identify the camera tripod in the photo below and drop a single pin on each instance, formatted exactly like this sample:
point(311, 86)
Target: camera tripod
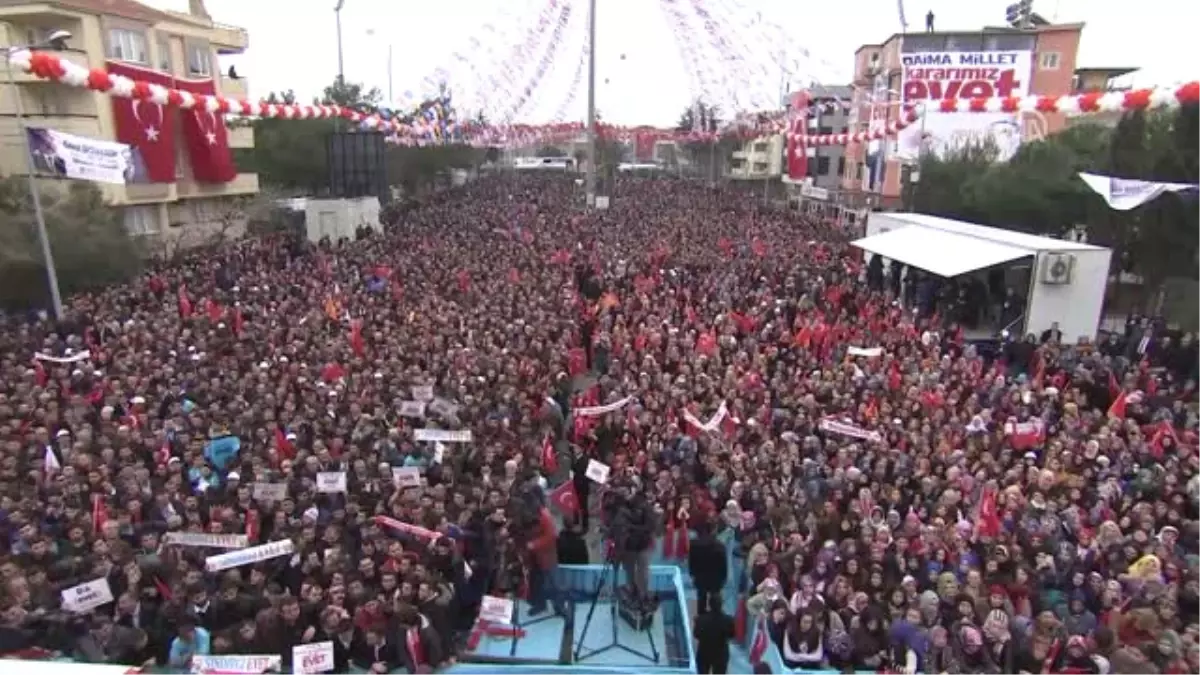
point(520, 626)
point(610, 572)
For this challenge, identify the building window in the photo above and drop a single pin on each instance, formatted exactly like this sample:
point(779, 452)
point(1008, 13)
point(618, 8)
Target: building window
point(841, 165)
point(822, 166)
point(164, 55)
point(761, 167)
point(824, 131)
point(199, 60)
point(141, 221)
point(760, 147)
point(1048, 60)
point(128, 45)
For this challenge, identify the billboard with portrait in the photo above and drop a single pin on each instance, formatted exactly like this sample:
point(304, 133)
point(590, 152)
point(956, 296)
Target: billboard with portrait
point(928, 78)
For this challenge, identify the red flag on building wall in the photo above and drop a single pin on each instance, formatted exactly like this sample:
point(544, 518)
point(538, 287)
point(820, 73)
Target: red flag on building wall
point(147, 127)
point(797, 152)
point(205, 136)
point(643, 146)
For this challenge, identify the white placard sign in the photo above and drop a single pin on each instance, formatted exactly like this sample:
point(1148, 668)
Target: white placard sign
point(443, 408)
point(496, 610)
point(207, 664)
point(79, 157)
point(443, 435)
point(423, 392)
point(406, 476)
point(313, 658)
point(597, 471)
point(249, 556)
point(274, 492)
point(202, 539)
point(331, 481)
point(413, 408)
point(87, 596)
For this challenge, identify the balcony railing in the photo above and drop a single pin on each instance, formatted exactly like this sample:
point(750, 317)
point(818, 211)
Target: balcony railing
point(242, 184)
point(234, 88)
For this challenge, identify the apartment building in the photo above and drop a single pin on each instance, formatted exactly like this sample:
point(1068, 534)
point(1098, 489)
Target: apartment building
point(759, 159)
point(927, 67)
point(830, 114)
point(108, 33)
point(1088, 80)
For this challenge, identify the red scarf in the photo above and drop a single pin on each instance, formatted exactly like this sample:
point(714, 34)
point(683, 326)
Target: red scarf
point(415, 649)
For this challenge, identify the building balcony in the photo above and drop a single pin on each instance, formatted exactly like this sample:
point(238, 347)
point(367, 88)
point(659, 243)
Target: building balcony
point(241, 136)
point(134, 194)
point(231, 88)
point(242, 184)
point(229, 39)
point(75, 56)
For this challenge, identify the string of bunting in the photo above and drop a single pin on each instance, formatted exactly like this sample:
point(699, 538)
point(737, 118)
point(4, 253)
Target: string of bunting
point(470, 67)
point(748, 70)
point(698, 83)
point(504, 78)
point(50, 66)
point(543, 65)
point(564, 108)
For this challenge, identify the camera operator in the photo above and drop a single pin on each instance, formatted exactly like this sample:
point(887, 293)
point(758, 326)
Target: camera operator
point(632, 524)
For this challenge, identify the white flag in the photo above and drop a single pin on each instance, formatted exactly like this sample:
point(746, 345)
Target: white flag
point(1125, 194)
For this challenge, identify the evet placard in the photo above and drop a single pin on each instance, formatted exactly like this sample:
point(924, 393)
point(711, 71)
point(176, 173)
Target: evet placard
point(87, 596)
point(929, 78)
point(312, 658)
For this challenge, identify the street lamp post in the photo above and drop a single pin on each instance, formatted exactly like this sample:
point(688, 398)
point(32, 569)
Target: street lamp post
point(337, 14)
point(590, 177)
point(57, 41)
point(875, 94)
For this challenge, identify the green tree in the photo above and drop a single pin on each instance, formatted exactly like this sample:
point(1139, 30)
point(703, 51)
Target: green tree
point(351, 94)
point(87, 237)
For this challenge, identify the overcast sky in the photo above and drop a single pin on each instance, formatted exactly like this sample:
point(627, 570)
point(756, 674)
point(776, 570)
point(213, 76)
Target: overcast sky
point(640, 76)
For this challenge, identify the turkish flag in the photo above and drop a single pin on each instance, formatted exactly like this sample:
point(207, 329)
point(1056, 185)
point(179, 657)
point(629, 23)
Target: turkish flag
point(797, 152)
point(205, 136)
point(565, 499)
point(147, 127)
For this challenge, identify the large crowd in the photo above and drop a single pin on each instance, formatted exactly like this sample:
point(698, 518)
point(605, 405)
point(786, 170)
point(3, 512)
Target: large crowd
point(912, 504)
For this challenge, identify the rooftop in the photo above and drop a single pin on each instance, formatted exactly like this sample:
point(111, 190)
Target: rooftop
point(126, 9)
point(1110, 72)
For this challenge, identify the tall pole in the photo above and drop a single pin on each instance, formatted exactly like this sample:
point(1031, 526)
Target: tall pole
point(337, 13)
point(39, 217)
point(391, 101)
point(879, 88)
point(590, 179)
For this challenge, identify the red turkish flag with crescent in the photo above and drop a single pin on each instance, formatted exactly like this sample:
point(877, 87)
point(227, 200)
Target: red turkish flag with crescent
point(565, 499)
point(205, 135)
point(146, 127)
point(797, 152)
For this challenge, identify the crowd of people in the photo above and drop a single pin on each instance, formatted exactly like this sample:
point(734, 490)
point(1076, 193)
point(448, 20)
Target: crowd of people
point(900, 500)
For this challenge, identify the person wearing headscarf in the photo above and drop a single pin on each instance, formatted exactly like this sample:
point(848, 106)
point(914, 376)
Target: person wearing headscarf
point(940, 655)
point(972, 653)
point(802, 644)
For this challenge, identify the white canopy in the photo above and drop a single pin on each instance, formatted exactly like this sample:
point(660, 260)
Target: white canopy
point(945, 254)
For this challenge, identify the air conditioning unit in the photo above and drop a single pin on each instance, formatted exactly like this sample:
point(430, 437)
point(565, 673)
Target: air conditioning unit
point(1057, 268)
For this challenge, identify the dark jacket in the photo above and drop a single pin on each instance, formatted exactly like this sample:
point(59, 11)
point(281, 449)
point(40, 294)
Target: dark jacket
point(708, 563)
point(431, 643)
point(388, 653)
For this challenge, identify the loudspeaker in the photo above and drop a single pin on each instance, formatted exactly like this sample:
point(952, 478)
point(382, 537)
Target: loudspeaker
point(357, 165)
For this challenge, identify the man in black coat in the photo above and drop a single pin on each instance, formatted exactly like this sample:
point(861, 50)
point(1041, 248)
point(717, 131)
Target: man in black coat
point(708, 565)
point(377, 654)
point(713, 631)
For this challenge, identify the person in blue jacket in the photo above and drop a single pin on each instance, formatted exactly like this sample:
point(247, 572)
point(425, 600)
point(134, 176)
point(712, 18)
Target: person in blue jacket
point(190, 641)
